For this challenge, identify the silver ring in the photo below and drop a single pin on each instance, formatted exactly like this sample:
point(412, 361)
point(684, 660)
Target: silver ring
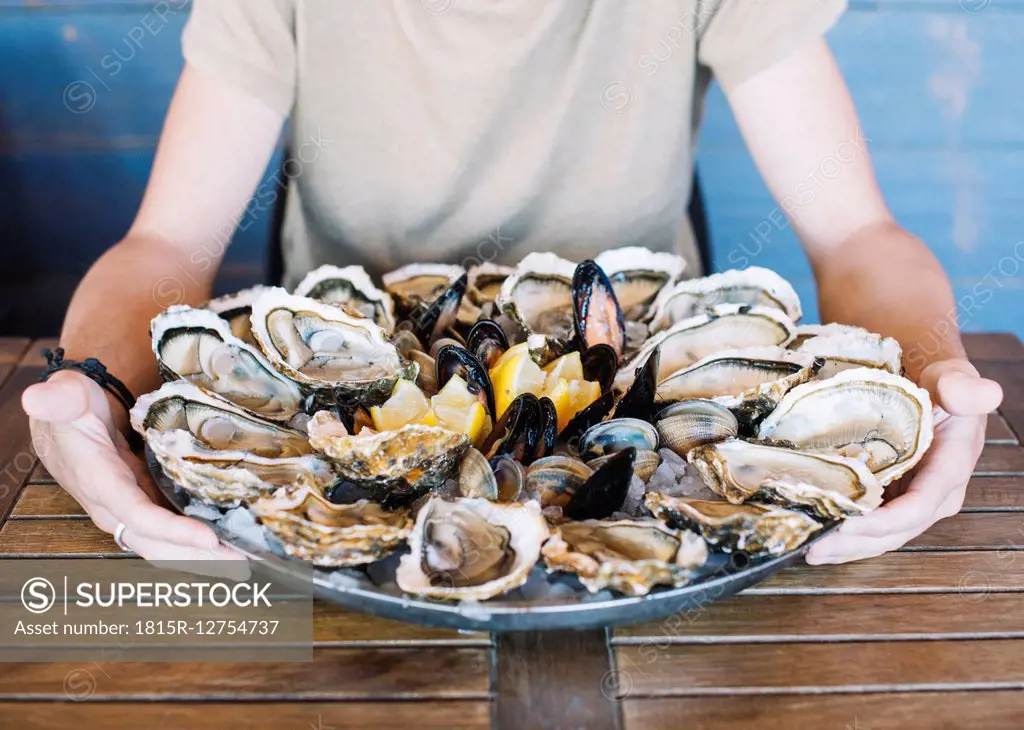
point(119, 537)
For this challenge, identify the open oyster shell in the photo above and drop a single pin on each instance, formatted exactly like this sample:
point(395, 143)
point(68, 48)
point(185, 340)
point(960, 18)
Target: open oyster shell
point(416, 284)
point(830, 486)
point(350, 286)
point(872, 415)
point(228, 478)
point(728, 327)
point(485, 282)
point(629, 556)
point(309, 527)
point(216, 422)
point(198, 346)
point(755, 529)
point(396, 467)
point(236, 308)
point(471, 548)
point(844, 347)
point(539, 297)
point(752, 286)
point(638, 275)
point(325, 348)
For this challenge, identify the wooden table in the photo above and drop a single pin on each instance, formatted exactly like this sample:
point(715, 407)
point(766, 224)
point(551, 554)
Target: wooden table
point(929, 636)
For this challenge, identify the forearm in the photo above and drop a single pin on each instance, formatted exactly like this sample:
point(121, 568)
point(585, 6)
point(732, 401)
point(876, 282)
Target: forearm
point(110, 312)
point(886, 280)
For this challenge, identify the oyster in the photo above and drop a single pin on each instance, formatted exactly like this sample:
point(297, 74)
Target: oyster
point(629, 556)
point(416, 284)
point(538, 297)
point(198, 346)
point(350, 286)
point(844, 347)
point(395, 467)
point(471, 548)
point(214, 421)
point(752, 286)
point(638, 275)
point(322, 347)
point(228, 478)
point(485, 282)
point(880, 418)
point(727, 327)
point(752, 528)
point(235, 309)
point(830, 486)
point(309, 527)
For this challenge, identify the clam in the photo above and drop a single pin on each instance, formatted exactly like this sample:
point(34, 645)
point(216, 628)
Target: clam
point(198, 346)
point(872, 415)
point(476, 477)
point(597, 316)
point(844, 347)
point(471, 549)
point(215, 422)
point(324, 348)
point(350, 286)
point(228, 478)
point(554, 479)
point(331, 535)
point(629, 556)
point(752, 286)
point(617, 434)
point(755, 529)
point(638, 275)
point(235, 309)
point(685, 425)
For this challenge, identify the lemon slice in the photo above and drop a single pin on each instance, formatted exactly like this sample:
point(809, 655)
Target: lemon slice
point(510, 354)
point(407, 404)
point(561, 396)
point(567, 367)
point(582, 393)
point(517, 376)
point(472, 421)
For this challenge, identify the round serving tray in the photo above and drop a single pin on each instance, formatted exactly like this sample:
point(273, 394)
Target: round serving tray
point(546, 602)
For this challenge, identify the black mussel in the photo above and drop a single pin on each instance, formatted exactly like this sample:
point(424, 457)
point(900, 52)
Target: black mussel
point(454, 360)
point(596, 312)
point(517, 432)
point(487, 341)
point(600, 364)
point(582, 421)
point(434, 320)
point(346, 492)
point(638, 401)
point(605, 491)
point(549, 432)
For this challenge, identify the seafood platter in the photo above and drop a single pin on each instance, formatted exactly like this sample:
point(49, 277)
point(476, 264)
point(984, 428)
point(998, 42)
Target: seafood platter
point(554, 444)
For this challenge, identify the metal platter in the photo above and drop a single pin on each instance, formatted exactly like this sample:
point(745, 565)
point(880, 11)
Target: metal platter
point(544, 603)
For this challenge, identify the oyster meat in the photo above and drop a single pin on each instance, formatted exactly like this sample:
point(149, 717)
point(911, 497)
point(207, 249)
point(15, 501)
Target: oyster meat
point(323, 347)
point(227, 478)
point(844, 347)
point(395, 467)
point(829, 486)
point(471, 549)
point(638, 275)
point(485, 282)
point(216, 422)
point(755, 529)
point(235, 309)
point(352, 287)
point(872, 415)
point(310, 527)
point(198, 346)
point(539, 298)
point(629, 556)
point(416, 284)
point(752, 286)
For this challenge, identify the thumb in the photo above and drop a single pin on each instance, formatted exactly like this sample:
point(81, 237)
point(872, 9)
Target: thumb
point(63, 398)
point(958, 388)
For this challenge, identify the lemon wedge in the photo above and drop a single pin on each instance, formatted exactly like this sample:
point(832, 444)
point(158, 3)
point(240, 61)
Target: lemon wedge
point(560, 395)
point(407, 404)
point(517, 376)
point(582, 393)
point(567, 367)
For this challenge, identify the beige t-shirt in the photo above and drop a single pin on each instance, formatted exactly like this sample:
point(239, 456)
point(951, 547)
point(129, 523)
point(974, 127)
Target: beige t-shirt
point(481, 130)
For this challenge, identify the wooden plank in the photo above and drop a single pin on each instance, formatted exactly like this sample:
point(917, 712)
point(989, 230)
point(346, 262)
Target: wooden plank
point(335, 625)
point(46, 500)
point(969, 572)
point(779, 618)
point(334, 674)
point(12, 349)
point(1010, 375)
point(973, 531)
point(1001, 459)
point(55, 537)
point(869, 666)
point(994, 346)
point(994, 493)
point(998, 430)
point(554, 680)
point(428, 715)
point(993, 710)
point(40, 475)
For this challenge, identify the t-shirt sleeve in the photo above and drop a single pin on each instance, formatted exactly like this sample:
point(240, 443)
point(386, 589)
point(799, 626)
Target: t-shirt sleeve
point(738, 38)
point(250, 44)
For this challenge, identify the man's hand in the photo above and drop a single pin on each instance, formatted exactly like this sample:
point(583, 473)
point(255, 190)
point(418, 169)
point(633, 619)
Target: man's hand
point(74, 435)
point(935, 488)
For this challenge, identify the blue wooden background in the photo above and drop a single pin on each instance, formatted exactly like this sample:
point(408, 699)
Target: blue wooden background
point(84, 85)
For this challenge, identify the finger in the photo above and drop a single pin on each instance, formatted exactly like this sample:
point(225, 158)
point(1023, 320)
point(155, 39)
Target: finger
point(145, 519)
point(840, 548)
point(63, 398)
point(220, 561)
point(957, 388)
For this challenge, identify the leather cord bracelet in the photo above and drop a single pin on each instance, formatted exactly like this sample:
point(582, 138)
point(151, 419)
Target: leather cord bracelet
point(98, 373)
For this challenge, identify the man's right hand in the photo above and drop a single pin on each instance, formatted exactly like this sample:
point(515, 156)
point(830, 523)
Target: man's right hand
point(74, 434)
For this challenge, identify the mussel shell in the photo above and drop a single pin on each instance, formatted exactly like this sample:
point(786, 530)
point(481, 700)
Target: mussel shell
point(596, 312)
point(690, 423)
point(518, 430)
point(487, 341)
point(554, 479)
point(605, 491)
point(644, 466)
point(407, 342)
point(549, 433)
point(454, 360)
point(638, 401)
point(600, 364)
point(617, 434)
point(578, 424)
point(431, 321)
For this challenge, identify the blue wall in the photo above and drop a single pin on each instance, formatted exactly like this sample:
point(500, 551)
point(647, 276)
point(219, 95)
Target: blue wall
point(84, 85)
